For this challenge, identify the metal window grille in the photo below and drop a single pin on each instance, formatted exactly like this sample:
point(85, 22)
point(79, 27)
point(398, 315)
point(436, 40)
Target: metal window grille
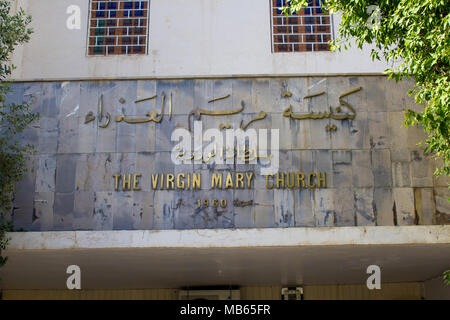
point(118, 27)
point(310, 29)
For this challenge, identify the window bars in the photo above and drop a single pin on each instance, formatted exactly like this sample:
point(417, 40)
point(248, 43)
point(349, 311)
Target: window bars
point(310, 29)
point(118, 27)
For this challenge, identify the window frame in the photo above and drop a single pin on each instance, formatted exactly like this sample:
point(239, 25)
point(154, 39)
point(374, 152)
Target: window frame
point(147, 35)
point(272, 43)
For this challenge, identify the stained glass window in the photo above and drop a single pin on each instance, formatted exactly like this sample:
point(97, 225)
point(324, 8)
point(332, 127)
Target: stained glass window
point(118, 27)
point(310, 29)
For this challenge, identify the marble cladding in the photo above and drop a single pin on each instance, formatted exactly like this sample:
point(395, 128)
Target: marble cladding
point(376, 172)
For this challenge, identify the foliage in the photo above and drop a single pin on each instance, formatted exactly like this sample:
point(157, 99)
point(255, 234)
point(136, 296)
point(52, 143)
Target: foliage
point(4, 227)
point(414, 37)
point(14, 118)
point(446, 276)
point(14, 30)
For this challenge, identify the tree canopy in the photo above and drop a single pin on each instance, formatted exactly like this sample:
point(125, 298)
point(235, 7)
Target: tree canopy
point(414, 37)
point(14, 118)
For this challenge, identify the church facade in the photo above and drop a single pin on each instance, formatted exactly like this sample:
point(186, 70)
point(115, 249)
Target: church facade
point(217, 149)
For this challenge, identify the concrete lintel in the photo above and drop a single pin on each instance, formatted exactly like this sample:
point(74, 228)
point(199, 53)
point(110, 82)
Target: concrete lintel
point(231, 238)
point(203, 76)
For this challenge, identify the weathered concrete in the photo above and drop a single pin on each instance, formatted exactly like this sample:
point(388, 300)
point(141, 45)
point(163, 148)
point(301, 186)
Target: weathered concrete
point(174, 258)
point(195, 39)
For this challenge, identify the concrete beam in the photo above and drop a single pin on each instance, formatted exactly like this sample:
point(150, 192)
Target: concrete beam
point(229, 238)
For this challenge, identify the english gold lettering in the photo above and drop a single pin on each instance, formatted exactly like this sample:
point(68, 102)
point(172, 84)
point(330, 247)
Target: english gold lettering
point(322, 180)
point(280, 181)
point(155, 181)
point(216, 180)
point(239, 180)
point(169, 181)
point(300, 178)
point(269, 186)
point(310, 184)
point(196, 181)
point(116, 181)
point(161, 185)
point(229, 182)
point(249, 176)
point(290, 177)
point(136, 181)
point(180, 181)
point(126, 182)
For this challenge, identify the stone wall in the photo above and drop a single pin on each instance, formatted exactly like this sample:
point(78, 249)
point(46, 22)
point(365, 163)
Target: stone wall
point(376, 173)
